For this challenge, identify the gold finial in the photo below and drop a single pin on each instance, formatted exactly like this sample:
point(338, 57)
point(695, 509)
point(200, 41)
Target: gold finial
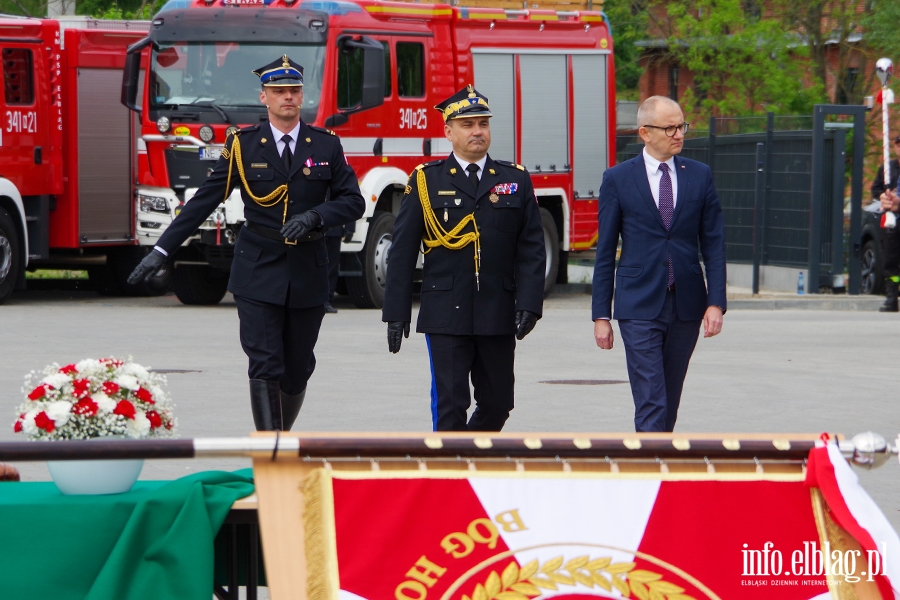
point(284, 61)
point(471, 89)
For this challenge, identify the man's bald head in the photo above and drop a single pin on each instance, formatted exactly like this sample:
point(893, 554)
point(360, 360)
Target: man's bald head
point(646, 114)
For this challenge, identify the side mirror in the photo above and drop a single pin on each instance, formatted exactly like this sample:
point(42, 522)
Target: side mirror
point(336, 120)
point(131, 74)
point(372, 71)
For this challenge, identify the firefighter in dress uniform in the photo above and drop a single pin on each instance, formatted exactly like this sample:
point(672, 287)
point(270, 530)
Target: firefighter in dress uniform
point(279, 276)
point(479, 224)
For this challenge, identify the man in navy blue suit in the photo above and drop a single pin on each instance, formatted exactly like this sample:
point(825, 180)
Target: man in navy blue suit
point(666, 209)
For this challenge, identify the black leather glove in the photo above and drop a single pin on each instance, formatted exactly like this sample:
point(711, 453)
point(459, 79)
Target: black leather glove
point(299, 225)
point(349, 230)
point(147, 268)
point(525, 321)
point(397, 330)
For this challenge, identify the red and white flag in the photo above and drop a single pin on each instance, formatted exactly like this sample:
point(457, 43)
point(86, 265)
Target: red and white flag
point(521, 536)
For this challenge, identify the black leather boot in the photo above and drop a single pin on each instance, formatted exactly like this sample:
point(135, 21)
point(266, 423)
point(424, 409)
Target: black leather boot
point(265, 403)
point(890, 297)
point(290, 406)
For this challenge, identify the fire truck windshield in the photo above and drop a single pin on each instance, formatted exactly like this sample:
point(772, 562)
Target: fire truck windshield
point(208, 74)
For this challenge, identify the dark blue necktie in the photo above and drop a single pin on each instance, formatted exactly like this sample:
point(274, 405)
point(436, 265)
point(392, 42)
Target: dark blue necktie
point(667, 210)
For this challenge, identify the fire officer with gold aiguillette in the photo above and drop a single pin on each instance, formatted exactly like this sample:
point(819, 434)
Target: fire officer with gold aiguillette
point(483, 280)
point(279, 278)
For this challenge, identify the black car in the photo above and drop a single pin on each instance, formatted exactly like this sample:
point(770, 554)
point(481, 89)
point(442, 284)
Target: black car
point(872, 256)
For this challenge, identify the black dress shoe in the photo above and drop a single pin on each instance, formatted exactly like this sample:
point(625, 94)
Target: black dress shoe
point(329, 308)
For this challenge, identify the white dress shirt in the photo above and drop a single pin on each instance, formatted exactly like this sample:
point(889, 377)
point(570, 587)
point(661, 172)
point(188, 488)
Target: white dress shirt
point(294, 133)
point(464, 163)
point(654, 175)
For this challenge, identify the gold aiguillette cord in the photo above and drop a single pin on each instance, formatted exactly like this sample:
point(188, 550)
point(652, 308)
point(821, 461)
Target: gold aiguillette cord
point(436, 235)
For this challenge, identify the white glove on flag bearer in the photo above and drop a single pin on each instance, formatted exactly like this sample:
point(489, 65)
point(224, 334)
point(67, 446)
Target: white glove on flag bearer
point(648, 536)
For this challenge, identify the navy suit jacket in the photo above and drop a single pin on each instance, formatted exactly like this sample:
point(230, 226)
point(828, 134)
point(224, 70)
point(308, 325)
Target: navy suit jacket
point(627, 209)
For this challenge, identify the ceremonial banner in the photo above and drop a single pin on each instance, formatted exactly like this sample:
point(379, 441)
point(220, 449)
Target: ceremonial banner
point(469, 535)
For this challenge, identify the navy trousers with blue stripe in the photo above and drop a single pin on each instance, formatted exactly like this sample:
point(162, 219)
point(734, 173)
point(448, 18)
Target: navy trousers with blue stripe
point(657, 353)
point(488, 360)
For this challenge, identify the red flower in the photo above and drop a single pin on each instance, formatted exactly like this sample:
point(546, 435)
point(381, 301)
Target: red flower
point(155, 419)
point(44, 422)
point(168, 424)
point(68, 370)
point(82, 387)
point(144, 395)
point(110, 388)
point(111, 362)
point(18, 426)
point(124, 408)
point(38, 392)
point(85, 406)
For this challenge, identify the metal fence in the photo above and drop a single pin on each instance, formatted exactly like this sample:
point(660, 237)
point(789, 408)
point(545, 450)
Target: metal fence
point(786, 207)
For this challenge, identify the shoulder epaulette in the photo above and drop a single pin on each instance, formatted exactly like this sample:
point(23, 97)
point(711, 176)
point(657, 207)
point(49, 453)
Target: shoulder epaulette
point(507, 163)
point(430, 164)
point(248, 129)
point(322, 129)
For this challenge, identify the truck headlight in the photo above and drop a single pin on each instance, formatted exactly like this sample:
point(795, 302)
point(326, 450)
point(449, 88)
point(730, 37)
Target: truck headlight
point(154, 204)
point(163, 124)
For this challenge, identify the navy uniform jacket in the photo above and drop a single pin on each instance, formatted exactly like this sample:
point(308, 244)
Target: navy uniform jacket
point(627, 208)
point(512, 253)
point(264, 269)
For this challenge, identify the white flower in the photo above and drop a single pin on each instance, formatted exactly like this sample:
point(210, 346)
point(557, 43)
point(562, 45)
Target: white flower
point(158, 393)
point(104, 403)
point(139, 426)
point(28, 425)
point(129, 382)
point(89, 366)
point(59, 411)
point(136, 370)
point(56, 380)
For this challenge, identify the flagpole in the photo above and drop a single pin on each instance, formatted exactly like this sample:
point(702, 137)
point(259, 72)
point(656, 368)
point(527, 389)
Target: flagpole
point(884, 68)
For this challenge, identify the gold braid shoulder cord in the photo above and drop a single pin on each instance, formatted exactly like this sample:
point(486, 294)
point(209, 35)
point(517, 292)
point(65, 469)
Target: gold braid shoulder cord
point(279, 194)
point(436, 235)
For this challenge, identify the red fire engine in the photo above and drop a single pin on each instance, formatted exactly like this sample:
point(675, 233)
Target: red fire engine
point(67, 149)
point(82, 183)
point(373, 72)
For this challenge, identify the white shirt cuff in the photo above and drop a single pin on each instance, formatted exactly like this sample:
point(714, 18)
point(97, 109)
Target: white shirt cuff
point(160, 250)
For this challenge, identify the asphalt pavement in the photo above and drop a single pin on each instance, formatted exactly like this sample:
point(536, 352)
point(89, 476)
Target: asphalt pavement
point(770, 371)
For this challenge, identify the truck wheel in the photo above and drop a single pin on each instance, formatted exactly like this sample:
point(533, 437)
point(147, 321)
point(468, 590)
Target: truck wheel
point(368, 291)
point(103, 279)
point(10, 255)
point(551, 246)
point(871, 272)
point(124, 260)
point(199, 285)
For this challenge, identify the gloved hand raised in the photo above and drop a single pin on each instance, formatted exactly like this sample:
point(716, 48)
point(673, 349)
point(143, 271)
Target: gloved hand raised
point(147, 268)
point(397, 330)
point(299, 225)
point(525, 321)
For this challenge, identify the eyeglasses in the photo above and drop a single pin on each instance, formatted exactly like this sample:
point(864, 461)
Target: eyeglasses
point(671, 129)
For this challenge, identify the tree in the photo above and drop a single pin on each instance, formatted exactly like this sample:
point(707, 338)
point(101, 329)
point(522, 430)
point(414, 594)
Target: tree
point(628, 20)
point(742, 63)
point(860, 30)
point(99, 9)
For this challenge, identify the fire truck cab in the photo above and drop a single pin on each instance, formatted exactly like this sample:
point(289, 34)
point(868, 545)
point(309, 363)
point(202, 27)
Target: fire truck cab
point(373, 73)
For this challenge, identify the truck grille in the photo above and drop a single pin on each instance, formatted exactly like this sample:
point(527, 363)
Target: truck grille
point(185, 168)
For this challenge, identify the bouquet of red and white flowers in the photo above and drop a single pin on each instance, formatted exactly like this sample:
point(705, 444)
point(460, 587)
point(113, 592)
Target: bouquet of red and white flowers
point(95, 398)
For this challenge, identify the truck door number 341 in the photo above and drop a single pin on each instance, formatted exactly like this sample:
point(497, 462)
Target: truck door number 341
point(412, 118)
point(18, 121)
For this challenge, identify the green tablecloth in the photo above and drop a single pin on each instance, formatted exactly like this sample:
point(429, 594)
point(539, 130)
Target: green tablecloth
point(154, 542)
